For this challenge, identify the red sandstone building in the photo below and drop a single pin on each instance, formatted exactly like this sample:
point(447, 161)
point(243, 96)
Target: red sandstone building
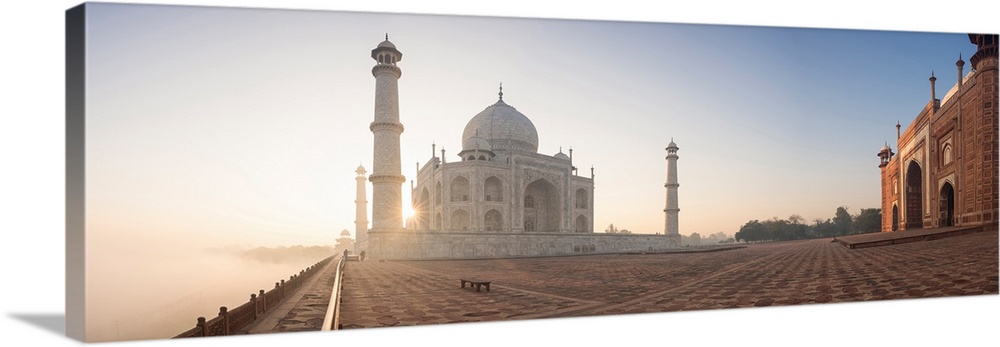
point(946, 171)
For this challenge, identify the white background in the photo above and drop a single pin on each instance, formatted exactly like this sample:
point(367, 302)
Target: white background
point(32, 177)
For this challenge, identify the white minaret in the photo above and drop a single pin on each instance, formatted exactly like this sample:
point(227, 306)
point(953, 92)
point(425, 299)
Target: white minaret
point(670, 226)
point(361, 213)
point(387, 179)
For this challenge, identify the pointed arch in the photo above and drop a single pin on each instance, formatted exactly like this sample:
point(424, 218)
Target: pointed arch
point(423, 210)
point(437, 193)
point(946, 156)
point(582, 199)
point(459, 220)
point(493, 189)
point(914, 196)
point(545, 212)
point(493, 220)
point(459, 189)
point(947, 205)
point(895, 217)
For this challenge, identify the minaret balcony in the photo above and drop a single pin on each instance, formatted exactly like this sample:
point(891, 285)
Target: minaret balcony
point(394, 126)
point(382, 68)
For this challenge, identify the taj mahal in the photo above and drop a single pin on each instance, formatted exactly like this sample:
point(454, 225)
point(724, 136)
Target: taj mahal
point(498, 197)
point(502, 183)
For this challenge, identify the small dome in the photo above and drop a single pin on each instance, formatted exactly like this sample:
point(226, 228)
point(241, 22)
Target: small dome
point(503, 127)
point(885, 148)
point(386, 44)
point(387, 47)
point(672, 144)
point(476, 143)
point(562, 156)
point(345, 233)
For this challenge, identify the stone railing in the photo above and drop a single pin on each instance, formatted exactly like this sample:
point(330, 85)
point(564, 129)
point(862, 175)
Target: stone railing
point(228, 322)
point(332, 319)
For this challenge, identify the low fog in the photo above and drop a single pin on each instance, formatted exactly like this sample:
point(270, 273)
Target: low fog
point(155, 291)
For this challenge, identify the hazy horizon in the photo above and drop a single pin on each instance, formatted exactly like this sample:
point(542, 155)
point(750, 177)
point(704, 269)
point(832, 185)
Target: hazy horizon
point(158, 293)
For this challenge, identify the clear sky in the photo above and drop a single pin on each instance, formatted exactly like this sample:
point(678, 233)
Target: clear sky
point(244, 126)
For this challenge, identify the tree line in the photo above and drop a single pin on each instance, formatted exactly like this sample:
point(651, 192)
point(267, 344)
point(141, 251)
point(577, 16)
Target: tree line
point(868, 220)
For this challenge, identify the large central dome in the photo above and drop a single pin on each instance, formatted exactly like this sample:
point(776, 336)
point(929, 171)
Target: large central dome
point(503, 127)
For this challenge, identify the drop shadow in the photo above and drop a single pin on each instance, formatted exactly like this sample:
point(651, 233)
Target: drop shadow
point(53, 322)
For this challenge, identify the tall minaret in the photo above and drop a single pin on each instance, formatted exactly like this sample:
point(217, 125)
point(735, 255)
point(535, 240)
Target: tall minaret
point(387, 179)
point(361, 213)
point(671, 210)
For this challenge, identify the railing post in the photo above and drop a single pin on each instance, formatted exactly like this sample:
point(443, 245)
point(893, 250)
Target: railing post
point(263, 299)
point(224, 313)
point(201, 324)
point(253, 302)
point(281, 292)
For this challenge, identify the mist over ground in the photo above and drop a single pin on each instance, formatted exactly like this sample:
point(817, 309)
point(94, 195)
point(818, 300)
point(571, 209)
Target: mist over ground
point(158, 293)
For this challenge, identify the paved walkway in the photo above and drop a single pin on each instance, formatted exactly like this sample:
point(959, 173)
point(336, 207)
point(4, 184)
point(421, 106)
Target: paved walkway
point(397, 293)
point(303, 311)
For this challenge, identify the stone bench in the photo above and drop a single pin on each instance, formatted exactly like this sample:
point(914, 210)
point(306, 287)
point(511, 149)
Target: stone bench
point(476, 283)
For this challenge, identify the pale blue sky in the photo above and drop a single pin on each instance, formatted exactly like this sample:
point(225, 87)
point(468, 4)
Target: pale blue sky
point(245, 126)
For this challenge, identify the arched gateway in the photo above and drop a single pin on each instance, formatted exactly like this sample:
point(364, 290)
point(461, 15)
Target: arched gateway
point(947, 205)
point(914, 197)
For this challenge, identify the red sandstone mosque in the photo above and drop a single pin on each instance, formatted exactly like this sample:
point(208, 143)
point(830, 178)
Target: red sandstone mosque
point(946, 171)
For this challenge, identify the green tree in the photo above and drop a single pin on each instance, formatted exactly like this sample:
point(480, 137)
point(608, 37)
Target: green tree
point(824, 228)
point(611, 229)
point(695, 239)
point(844, 223)
point(869, 220)
point(796, 219)
point(752, 231)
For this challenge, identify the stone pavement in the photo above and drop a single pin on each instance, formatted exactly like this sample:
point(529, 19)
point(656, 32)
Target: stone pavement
point(304, 310)
point(399, 293)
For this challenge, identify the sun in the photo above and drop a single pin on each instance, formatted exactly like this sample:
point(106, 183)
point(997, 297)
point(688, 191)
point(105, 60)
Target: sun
point(408, 212)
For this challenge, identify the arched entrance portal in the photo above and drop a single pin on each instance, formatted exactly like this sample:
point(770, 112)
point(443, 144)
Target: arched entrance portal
point(541, 206)
point(914, 197)
point(895, 217)
point(947, 204)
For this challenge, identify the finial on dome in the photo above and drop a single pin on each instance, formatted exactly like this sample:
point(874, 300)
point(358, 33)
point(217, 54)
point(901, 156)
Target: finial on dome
point(387, 36)
point(501, 91)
